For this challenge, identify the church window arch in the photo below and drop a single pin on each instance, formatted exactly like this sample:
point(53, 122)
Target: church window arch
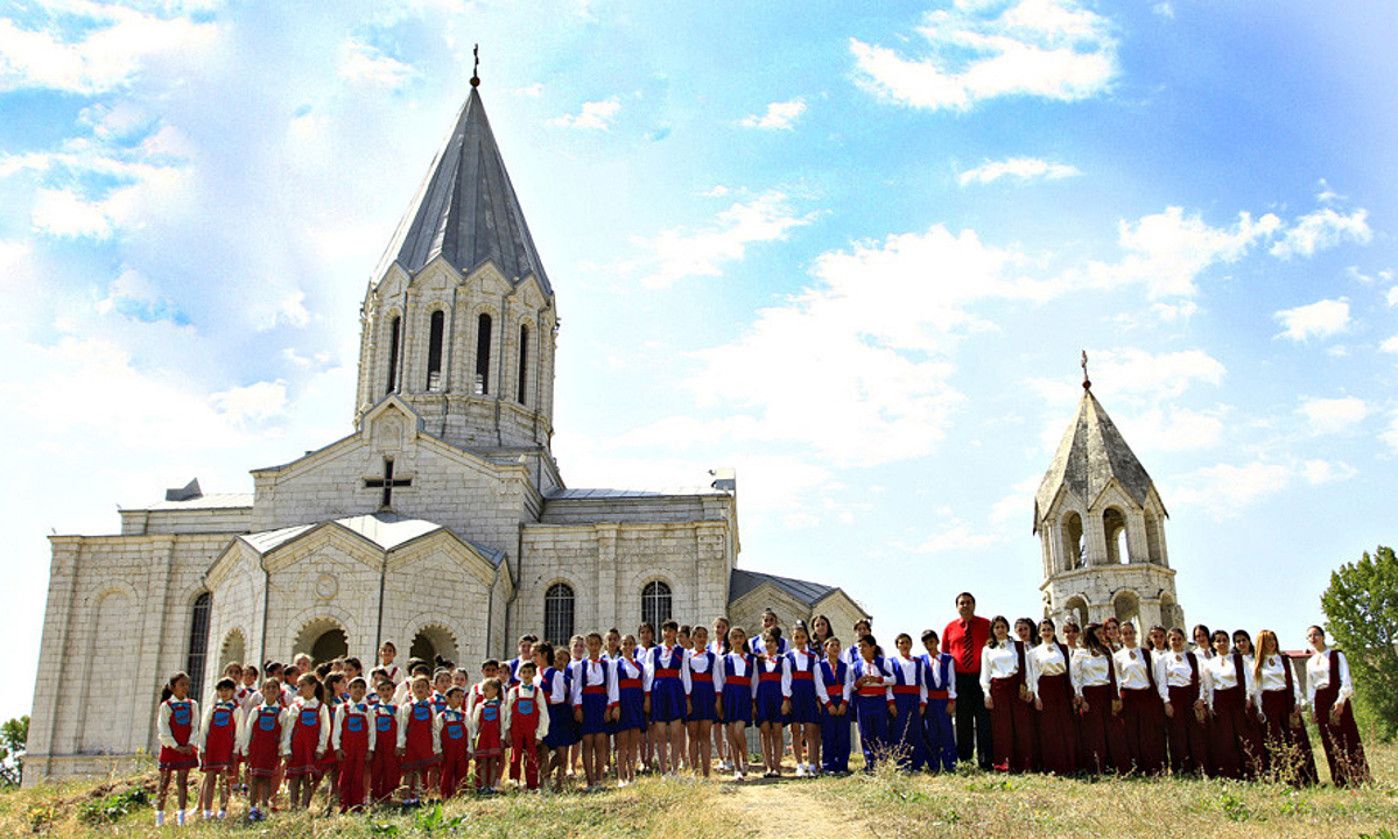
point(395, 336)
point(558, 613)
point(483, 339)
point(1073, 547)
point(232, 650)
point(322, 639)
point(1126, 605)
point(436, 332)
point(198, 643)
point(432, 641)
point(1153, 552)
point(523, 378)
point(656, 603)
point(1076, 609)
point(1114, 528)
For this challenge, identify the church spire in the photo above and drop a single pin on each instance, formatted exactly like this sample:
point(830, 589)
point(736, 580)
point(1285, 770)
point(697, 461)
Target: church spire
point(466, 209)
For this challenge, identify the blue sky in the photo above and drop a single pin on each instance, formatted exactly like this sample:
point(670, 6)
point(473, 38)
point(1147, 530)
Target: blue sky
point(851, 252)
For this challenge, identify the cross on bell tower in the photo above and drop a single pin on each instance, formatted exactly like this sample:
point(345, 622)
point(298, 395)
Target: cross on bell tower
point(387, 483)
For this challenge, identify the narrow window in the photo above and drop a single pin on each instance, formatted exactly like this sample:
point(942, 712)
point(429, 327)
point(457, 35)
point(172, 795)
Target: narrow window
point(394, 327)
point(523, 364)
point(655, 603)
point(483, 355)
point(434, 350)
point(198, 645)
point(558, 613)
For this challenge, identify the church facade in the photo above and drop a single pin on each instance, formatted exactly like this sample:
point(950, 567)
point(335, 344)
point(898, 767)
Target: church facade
point(441, 522)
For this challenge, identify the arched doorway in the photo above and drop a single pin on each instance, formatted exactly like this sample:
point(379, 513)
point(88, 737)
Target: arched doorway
point(432, 641)
point(322, 639)
point(233, 649)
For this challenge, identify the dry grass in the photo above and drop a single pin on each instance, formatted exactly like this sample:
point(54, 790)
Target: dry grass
point(886, 803)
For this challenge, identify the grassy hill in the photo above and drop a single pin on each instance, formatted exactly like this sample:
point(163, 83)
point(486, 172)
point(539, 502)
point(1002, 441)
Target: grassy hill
point(885, 804)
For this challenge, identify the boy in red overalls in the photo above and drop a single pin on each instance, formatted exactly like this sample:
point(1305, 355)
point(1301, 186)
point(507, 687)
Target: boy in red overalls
point(529, 724)
point(218, 746)
point(419, 738)
point(353, 744)
point(456, 750)
point(261, 744)
point(384, 775)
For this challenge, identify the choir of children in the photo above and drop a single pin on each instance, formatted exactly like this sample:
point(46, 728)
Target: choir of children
point(1097, 701)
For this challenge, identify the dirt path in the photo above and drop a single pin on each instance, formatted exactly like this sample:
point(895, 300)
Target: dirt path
point(786, 808)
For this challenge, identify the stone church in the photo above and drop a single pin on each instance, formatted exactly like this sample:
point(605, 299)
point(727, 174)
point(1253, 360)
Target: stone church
point(440, 522)
point(1101, 527)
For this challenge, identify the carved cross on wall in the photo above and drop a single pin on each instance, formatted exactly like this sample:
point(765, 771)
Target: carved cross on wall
point(387, 483)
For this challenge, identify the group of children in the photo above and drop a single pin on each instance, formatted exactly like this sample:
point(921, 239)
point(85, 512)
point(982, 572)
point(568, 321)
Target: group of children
point(620, 704)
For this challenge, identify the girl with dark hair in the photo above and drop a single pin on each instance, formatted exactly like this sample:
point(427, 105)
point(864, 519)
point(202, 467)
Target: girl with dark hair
point(177, 727)
point(719, 646)
point(1185, 709)
point(1203, 641)
point(1143, 696)
point(907, 697)
point(739, 697)
point(1227, 687)
point(1051, 685)
point(833, 691)
point(1011, 728)
point(305, 738)
point(804, 719)
point(217, 744)
point(1098, 702)
point(1329, 686)
point(870, 700)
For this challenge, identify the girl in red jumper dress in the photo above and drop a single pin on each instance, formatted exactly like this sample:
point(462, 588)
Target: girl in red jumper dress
point(384, 774)
point(261, 744)
point(419, 737)
point(219, 735)
point(305, 737)
point(353, 741)
point(329, 765)
point(178, 727)
point(456, 752)
point(489, 720)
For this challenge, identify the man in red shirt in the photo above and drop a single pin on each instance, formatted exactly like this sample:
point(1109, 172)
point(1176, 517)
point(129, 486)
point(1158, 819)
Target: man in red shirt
point(963, 639)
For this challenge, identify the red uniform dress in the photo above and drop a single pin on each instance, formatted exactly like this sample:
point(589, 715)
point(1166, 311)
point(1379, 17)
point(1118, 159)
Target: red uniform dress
point(524, 727)
point(384, 774)
point(264, 740)
point(181, 721)
point(352, 738)
point(305, 740)
point(456, 758)
point(488, 741)
point(329, 764)
point(420, 747)
point(220, 738)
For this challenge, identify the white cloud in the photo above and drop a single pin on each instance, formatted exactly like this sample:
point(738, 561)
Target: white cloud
point(957, 535)
point(1333, 416)
point(1164, 9)
point(598, 115)
point(257, 402)
point(1225, 489)
point(289, 310)
point(63, 213)
point(679, 252)
point(1389, 345)
point(1393, 296)
point(533, 91)
point(1173, 429)
point(1324, 194)
point(1136, 372)
point(1320, 319)
point(1321, 229)
point(90, 48)
point(779, 115)
point(367, 64)
point(1053, 49)
point(1019, 168)
point(131, 295)
point(1327, 471)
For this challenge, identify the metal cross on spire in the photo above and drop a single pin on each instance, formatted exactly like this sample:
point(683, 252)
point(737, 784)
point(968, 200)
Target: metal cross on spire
point(476, 70)
point(1086, 382)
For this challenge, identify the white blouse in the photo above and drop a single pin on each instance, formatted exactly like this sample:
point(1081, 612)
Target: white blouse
point(1089, 670)
point(999, 662)
point(1223, 675)
point(909, 666)
point(1131, 672)
point(1045, 660)
point(1318, 676)
point(1178, 673)
point(1274, 670)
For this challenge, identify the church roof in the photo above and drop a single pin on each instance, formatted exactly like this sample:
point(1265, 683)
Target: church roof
point(466, 209)
point(385, 530)
point(212, 501)
point(1091, 455)
point(565, 494)
point(742, 582)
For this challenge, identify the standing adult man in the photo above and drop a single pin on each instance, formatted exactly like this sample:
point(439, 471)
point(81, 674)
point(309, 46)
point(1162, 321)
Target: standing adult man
point(964, 638)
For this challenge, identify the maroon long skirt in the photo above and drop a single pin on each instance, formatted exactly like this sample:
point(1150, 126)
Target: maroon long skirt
point(1286, 750)
point(1011, 728)
point(1228, 734)
point(1189, 743)
point(1101, 740)
point(1143, 718)
point(1058, 726)
point(1343, 751)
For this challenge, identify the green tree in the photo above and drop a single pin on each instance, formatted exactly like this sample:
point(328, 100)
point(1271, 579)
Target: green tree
point(1361, 610)
point(13, 735)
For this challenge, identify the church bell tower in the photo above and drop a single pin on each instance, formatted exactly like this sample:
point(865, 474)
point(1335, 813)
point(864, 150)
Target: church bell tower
point(1101, 525)
point(459, 319)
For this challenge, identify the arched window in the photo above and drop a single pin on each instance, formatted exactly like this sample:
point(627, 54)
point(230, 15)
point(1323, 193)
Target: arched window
point(436, 324)
point(1153, 552)
point(394, 328)
point(558, 613)
point(1072, 542)
point(1114, 526)
point(198, 645)
point(523, 364)
point(655, 603)
point(483, 355)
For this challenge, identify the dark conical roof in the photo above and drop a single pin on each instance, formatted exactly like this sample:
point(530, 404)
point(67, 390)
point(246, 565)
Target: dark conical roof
point(466, 209)
point(1091, 454)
